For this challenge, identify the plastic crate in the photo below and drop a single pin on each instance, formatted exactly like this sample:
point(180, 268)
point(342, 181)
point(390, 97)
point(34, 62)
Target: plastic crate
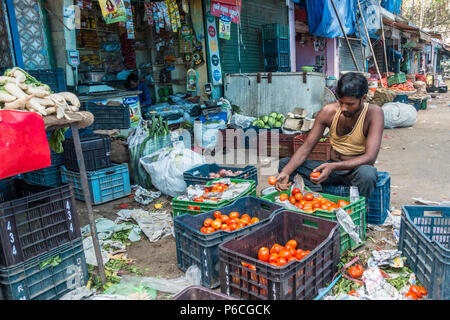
point(321, 152)
point(38, 280)
point(200, 174)
point(297, 280)
point(378, 203)
point(200, 293)
point(104, 185)
point(403, 98)
point(416, 103)
point(273, 64)
point(396, 79)
point(54, 78)
point(358, 217)
point(34, 220)
point(108, 117)
point(96, 152)
point(286, 145)
point(272, 47)
point(423, 105)
point(194, 247)
point(181, 207)
point(50, 176)
point(275, 30)
point(425, 242)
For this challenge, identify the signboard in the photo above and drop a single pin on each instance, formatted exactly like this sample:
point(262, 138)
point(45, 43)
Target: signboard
point(219, 8)
point(213, 45)
point(74, 58)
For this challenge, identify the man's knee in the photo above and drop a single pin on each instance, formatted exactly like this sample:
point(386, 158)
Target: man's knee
point(366, 173)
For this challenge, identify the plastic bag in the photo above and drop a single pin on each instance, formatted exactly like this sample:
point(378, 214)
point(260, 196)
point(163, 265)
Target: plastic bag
point(241, 121)
point(166, 168)
point(399, 115)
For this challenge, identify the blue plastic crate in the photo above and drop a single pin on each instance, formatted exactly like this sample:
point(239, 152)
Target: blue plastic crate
point(425, 242)
point(403, 98)
point(416, 103)
point(38, 280)
point(200, 174)
point(214, 117)
point(379, 201)
point(275, 30)
point(272, 47)
point(50, 176)
point(104, 185)
point(54, 78)
point(195, 247)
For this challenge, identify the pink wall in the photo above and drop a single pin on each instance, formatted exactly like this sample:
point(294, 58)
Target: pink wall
point(306, 56)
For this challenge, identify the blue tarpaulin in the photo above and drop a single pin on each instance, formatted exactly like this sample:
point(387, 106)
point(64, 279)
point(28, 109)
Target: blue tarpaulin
point(322, 20)
point(393, 6)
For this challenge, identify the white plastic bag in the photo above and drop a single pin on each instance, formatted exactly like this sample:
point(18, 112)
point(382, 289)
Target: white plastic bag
point(166, 168)
point(242, 121)
point(398, 115)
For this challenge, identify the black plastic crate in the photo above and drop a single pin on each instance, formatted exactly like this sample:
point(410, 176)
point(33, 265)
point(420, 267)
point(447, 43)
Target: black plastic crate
point(200, 174)
point(272, 47)
point(96, 152)
point(54, 78)
point(425, 242)
point(200, 293)
point(108, 117)
point(297, 280)
point(35, 219)
point(195, 247)
point(47, 277)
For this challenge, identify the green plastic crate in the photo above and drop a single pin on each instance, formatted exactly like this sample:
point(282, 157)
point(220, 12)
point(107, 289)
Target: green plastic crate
point(358, 217)
point(423, 105)
point(181, 207)
point(396, 79)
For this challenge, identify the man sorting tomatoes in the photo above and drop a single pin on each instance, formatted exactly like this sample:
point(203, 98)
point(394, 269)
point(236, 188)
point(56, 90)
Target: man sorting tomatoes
point(356, 129)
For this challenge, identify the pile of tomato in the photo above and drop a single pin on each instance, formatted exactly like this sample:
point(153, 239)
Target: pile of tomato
point(229, 223)
point(407, 86)
point(416, 292)
point(279, 255)
point(309, 203)
point(214, 188)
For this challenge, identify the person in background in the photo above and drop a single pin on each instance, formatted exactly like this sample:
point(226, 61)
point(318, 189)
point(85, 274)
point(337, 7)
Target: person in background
point(134, 84)
point(356, 131)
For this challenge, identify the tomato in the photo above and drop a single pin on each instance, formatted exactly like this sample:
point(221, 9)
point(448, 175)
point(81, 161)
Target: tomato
point(295, 191)
point(342, 203)
point(245, 264)
point(203, 229)
point(273, 258)
point(283, 197)
point(225, 218)
point(356, 271)
point(263, 254)
point(233, 220)
point(353, 293)
point(411, 295)
point(292, 243)
point(298, 196)
point(292, 200)
point(246, 217)
point(224, 226)
point(300, 255)
point(282, 261)
point(307, 208)
point(415, 289)
point(191, 208)
point(233, 226)
point(217, 214)
point(216, 224)
point(199, 199)
point(252, 267)
point(316, 205)
point(254, 220)
point(423, 291)
point(272, 180)
point(309, 197)
point(291, 258)
point(325, 207)
point(276, 248)
point(315, 174)
point(302, 202)
point(298, 205)
point(210, 230)
point(240, 225)
point(208, 222)
point(285, 254)
point(234, 215)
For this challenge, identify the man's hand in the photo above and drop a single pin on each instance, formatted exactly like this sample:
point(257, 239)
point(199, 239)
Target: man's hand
point(282, 182)
point(325, 170)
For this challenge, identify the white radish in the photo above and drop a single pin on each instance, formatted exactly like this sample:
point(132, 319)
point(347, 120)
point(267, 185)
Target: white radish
point(19, 75)
point(6, 97)
point(19, 103)
point(15, 90)
point(50, 110)
point(37, 92)
point(5, 79)
point(72, 99)
point(59, 112)
point(46, 102)
point(37, 106)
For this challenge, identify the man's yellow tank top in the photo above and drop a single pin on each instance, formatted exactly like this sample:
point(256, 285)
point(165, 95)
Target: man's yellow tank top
point(353, 143)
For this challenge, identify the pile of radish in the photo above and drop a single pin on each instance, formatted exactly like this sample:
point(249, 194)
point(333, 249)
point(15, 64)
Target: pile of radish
point(20, 91)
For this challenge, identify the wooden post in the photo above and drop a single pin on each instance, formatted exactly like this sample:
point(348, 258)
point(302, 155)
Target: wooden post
point(370, 43)
point(362, 47)
point(345, 35)
point(87, 199)
point(384, 40)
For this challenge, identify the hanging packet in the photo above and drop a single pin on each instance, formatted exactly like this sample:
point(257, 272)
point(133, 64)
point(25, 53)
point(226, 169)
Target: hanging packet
point(224, 27)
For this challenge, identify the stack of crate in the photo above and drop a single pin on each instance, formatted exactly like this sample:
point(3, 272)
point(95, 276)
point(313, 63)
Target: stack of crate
point(276, 48)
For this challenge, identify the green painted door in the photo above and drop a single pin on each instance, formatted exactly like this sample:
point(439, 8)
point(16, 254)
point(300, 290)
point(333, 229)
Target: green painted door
point(254, 15)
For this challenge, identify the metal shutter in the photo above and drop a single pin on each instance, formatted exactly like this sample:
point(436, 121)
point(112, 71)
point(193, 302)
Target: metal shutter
point(254, 15)
point(345, 57)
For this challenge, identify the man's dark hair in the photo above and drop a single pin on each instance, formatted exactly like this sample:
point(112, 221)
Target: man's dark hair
point(132, 77)
point(352, 84)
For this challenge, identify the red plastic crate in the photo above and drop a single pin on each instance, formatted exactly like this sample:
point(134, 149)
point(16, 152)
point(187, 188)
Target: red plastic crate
point(321, 152)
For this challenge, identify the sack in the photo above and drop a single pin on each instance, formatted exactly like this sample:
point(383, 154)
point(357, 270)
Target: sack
point(166, 168)
point(23, 143)
point(398, 115)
